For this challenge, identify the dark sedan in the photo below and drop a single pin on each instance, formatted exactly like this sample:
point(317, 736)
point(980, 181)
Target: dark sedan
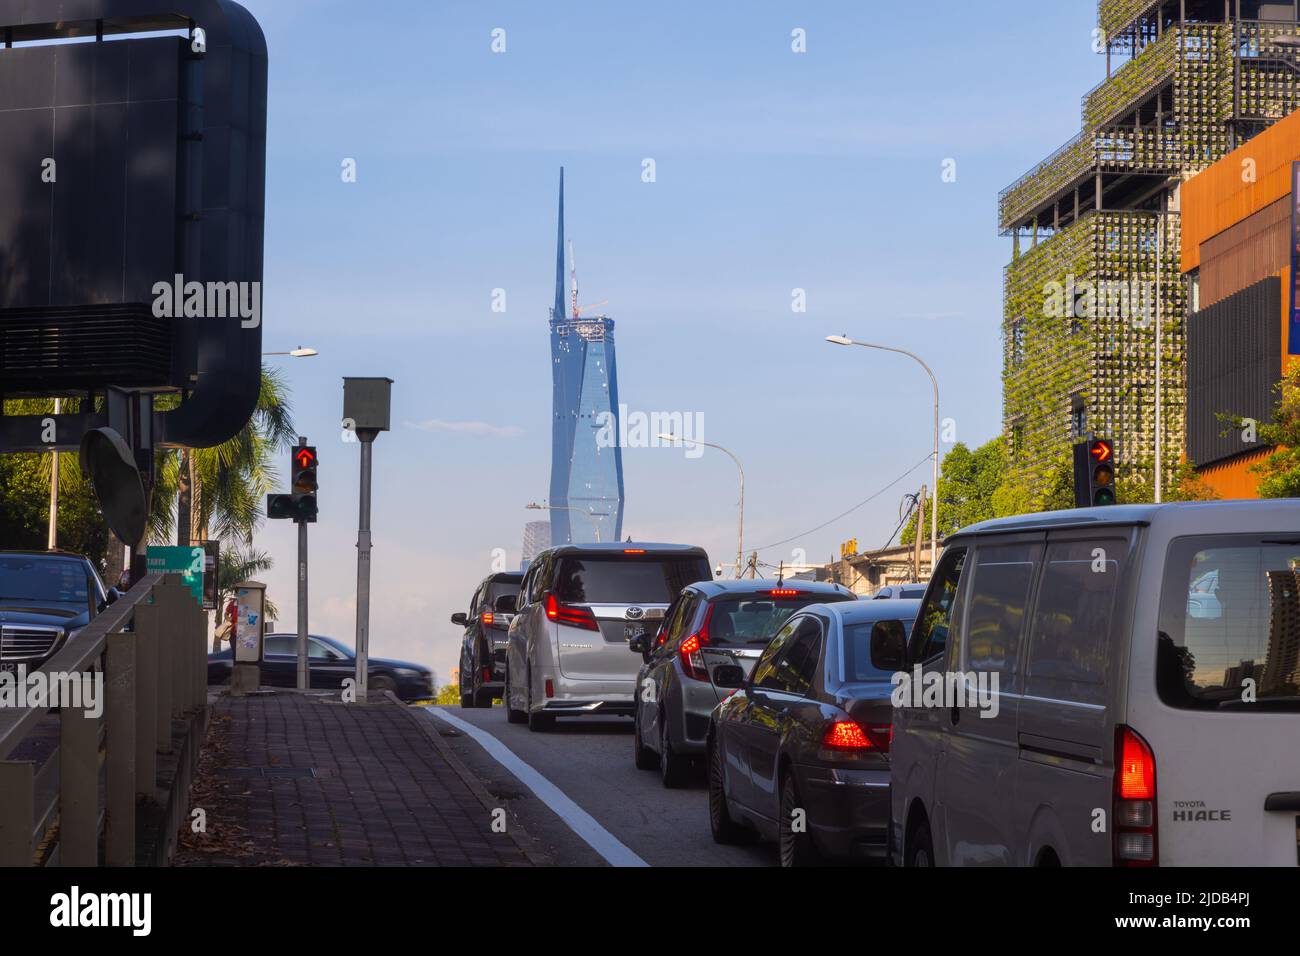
point(45, 597)
point(330, 663)
point(799, 753)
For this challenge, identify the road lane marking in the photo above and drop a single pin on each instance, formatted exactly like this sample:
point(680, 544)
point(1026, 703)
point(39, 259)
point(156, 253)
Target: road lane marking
point(578, 820)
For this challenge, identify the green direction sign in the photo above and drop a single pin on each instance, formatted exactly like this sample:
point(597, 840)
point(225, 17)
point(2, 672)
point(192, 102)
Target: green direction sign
point(187, 562)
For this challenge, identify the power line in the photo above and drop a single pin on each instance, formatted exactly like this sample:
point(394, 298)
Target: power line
point(870, 498)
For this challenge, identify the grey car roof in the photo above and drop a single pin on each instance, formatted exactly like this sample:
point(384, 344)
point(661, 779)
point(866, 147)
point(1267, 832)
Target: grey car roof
point(1113, 515)
point(756, 585)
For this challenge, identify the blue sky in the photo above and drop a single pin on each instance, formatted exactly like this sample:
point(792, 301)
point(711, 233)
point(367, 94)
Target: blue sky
point(775, 171)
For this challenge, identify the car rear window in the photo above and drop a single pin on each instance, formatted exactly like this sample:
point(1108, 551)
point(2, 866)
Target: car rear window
point(857, 652)
point(755, 618)
point(43, 580)
point(497, 589)
point(1230, 623)
point(627, 578)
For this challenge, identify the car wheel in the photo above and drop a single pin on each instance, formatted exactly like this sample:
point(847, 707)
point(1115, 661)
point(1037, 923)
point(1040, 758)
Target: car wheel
point(725, 830)
point(380, 684)
point(482, 698)
point(920, 849)
point(537, 721)
point(512, 715)
point(674, 769)
point(466, 700)
point(644, 757)
point(796, 847)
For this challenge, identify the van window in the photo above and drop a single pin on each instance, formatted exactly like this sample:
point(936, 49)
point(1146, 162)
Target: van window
point(1074, 618)
point(1230, 616)
point(930, 634)
point(1003, 575)
point(627, 579)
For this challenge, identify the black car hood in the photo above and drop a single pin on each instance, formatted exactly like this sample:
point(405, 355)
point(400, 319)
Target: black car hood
point(407, 665)
point(50, 615)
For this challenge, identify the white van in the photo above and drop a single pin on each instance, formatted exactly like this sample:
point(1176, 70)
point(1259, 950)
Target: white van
point(1147, 703)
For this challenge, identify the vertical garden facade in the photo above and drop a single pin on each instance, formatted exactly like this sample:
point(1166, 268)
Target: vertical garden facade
point(1096, 239)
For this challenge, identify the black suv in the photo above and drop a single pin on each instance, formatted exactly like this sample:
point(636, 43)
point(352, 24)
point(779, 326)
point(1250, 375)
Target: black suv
point(45, 597)
point(483, 648)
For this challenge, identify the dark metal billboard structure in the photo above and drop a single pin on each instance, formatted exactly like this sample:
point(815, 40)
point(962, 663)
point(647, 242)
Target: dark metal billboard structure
point(129, 167)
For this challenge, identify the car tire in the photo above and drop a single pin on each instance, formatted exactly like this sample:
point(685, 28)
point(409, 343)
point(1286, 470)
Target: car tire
point(466, 700)
point(920, 849)
point(482, 698)
point(674, 769)
point(796, 849)
point(380, 684)
point(646, 759)
point(512, 715)
point(538, 722)
point(725, 830)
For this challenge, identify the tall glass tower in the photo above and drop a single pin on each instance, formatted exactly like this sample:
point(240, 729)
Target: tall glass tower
point(586, 495)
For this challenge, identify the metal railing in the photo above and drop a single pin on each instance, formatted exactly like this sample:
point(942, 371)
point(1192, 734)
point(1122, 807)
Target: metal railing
point(78, 805)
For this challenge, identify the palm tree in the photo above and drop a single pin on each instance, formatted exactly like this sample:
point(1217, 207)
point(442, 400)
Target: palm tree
point(219, 492)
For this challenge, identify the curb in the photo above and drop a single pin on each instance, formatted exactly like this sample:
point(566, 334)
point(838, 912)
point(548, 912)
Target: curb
point(522, 838)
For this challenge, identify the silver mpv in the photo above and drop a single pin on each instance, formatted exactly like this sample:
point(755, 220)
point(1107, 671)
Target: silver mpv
point(578, 607)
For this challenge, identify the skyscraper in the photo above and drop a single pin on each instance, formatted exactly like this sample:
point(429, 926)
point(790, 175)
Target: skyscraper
point(537, 538)
point(586, 496)
point(1097, 234)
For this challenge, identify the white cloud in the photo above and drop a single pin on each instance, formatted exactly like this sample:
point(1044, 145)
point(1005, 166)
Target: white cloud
point(467, 428)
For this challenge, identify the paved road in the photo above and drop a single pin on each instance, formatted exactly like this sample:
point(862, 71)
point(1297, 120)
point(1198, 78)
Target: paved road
point(590, 760)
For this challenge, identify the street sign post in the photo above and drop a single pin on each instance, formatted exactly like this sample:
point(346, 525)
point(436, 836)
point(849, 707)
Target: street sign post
point(367, 404)
point(188, 562)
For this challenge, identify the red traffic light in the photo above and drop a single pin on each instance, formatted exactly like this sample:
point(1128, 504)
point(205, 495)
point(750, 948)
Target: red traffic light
point(1101, 451)
point(305, 457)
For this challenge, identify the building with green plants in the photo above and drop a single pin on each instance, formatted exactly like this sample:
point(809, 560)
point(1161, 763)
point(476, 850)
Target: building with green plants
point(1096, 238)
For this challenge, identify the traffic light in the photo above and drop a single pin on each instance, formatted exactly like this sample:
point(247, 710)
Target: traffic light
point(1094, 473)
point(279, 507)
point(303, 485)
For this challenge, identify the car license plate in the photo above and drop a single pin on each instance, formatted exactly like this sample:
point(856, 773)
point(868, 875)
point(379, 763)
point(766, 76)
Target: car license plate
point(632, 631)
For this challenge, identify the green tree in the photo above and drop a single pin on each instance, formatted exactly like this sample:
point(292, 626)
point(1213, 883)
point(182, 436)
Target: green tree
point(25, 499)
point(226, 486)
point(967, 483)
point(448, 695)
point(1279, 473)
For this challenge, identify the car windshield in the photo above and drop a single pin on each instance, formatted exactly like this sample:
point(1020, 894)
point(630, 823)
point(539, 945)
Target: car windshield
point(627, 579)
point(755, 618)
point(857, 652)
point(1230, 623)
point(43, 580)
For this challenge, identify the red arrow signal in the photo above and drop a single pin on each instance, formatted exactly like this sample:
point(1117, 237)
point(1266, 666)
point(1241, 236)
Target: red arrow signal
point(305, 457)
point(1101, 451)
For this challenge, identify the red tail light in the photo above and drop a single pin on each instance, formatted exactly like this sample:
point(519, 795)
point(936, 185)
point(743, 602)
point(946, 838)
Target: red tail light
point(487, 675)
point(634, 550)
point(849, 735)
point(1134, 806)
point(570, 614)
point(486, 618)
point(783, 592)
point(550, 688)
point(689, 650)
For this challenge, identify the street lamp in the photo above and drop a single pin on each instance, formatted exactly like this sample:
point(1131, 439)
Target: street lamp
point(934, 489)
point(740, 534)
point(299, 352)
point(593, 515)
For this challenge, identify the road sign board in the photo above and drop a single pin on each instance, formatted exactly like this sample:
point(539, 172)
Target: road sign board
point(188, 562)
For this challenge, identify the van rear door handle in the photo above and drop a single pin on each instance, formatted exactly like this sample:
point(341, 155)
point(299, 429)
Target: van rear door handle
point(1282, 801)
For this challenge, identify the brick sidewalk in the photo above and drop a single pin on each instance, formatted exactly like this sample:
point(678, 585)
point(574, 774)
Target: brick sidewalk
point(288, 779)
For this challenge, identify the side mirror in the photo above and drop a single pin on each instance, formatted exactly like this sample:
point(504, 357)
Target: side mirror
point(110, 598)
point(728, 676)
point(888, 645)
point(460, 618)
point(506, 604)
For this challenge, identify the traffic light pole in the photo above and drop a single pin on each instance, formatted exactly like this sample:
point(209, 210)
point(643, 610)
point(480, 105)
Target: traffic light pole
point(304, 681)
point(363, 564)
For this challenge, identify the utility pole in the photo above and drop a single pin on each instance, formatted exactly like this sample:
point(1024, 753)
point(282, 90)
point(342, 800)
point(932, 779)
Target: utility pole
point(54, 489)
point(916, 541)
